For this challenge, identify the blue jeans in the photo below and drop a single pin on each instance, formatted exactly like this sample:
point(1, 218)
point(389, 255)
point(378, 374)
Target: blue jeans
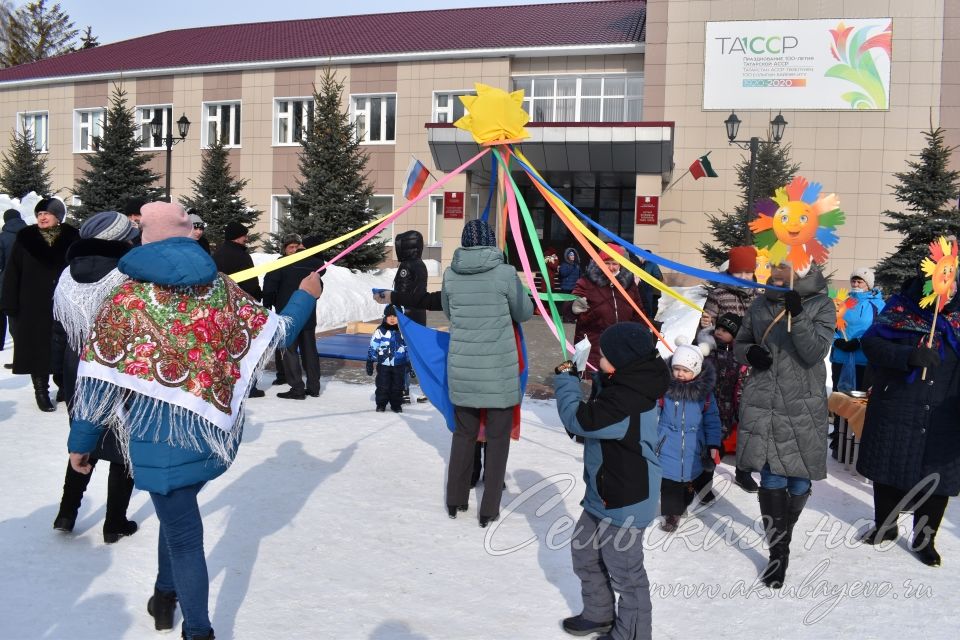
point(181, 565)
point(795, 486)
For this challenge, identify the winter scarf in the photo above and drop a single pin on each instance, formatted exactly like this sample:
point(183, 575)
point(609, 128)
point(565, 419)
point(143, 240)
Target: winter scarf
point(192, 352)
point(50, 235)
point(903, 317)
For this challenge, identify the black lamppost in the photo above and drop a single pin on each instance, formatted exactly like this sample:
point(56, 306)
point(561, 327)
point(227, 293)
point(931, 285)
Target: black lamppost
point(777, 126)
point(156, 128)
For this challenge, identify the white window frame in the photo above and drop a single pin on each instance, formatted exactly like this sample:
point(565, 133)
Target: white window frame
point(22, 127)
point(234, 121)
point(275, 200)
point(387, 233)
point(277, 116)
point(437, 111)
point(94, 127)
point(435, 211)
point(356, 112)
point(144, 120)
point(578, 97)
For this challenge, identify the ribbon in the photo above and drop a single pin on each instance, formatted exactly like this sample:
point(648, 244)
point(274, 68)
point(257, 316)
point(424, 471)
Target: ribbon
point(703, 274)
point(493, 189)
point(378, 225)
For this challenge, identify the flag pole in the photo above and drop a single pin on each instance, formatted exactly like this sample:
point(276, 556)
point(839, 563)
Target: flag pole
point(684, 175)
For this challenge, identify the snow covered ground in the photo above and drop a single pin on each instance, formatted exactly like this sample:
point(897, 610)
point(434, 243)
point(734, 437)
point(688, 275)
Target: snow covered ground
point(331, 524)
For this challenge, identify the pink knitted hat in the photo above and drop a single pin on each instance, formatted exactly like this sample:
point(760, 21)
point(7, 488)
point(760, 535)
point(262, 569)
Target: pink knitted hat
point(162, 220)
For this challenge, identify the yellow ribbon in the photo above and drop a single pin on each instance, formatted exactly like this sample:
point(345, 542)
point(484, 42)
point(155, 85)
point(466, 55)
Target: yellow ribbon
point(624, 262)
point(267, 267)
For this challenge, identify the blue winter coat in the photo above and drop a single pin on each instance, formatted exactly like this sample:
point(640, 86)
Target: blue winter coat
point(689, 423)
point(569, 272)
point(157, 466)
point(859, 318)
point(387, 347)
point(619, 427)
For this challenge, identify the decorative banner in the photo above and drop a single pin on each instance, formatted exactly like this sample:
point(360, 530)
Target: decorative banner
point(798, 64)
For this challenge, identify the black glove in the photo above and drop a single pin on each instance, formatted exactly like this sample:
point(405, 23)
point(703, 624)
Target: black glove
point(369, 367)
point(759, 357)
point(791, 299)
point(567, 366)
point(853, 345)
point(924, 357)
point(840, 344)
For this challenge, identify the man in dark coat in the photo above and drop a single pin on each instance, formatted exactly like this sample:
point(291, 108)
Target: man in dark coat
point(278, 287)
point(911, 435)
point(12, 223)
point(38, 256)
point(411, 278)
point(232, 256)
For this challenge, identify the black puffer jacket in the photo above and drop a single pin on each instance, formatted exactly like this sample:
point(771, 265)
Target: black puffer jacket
point(411, 278)
point(231, 258)
point(911, 428)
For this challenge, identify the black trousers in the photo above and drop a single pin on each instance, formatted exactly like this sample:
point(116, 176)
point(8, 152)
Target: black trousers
point(888, 502)
point(498, 424)
point(675, 497)
point(303, 351)
point(390, 385)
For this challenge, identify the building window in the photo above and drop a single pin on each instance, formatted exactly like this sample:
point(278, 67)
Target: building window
point(435, 222)
point(381, 206)
point(375, 118)
point(35, 124)
point(613, 98)
point(292, 118)
point(447, 106)
point(221, 120)
point(279, 210)
point(144, 116)
point(87, 125)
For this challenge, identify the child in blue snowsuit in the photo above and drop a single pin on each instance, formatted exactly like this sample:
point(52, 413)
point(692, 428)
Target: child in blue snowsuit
point(389, 351)
point(689, 428)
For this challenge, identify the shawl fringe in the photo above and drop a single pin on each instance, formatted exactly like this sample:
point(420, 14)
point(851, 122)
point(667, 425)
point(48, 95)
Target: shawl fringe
point(75, 304)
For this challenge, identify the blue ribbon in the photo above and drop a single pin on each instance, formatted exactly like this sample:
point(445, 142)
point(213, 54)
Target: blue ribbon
point(493, 188)
point(703, 274)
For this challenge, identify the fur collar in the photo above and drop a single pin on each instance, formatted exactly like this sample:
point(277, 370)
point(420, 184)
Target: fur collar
point(598, 278)
point(55, 256)
point(695, 390)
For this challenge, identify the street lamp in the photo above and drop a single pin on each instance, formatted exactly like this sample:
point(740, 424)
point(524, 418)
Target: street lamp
point(777, 127)
point(156, 129)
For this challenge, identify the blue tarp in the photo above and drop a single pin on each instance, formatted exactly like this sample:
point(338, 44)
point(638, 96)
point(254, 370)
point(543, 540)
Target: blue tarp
point(344, 346)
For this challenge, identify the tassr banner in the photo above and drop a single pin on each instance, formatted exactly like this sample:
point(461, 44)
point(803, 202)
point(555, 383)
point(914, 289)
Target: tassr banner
point(833, 64)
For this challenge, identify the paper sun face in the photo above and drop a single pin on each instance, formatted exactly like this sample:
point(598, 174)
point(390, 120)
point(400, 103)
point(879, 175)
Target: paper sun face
point(762, 272)
point(941, 268)
point(798, 224)
point(842, 302)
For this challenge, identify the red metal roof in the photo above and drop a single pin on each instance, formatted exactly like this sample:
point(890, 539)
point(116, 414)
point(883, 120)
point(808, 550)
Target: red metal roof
point(539, 25)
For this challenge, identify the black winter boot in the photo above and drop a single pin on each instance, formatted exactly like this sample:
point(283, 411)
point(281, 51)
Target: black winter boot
point(119, 488)
point(162, 605)
point(926, 522)
point(744, 479)
point(580, 626)
point(209, 636)
point(774, 507)
point(41, 389)
point(74, 485)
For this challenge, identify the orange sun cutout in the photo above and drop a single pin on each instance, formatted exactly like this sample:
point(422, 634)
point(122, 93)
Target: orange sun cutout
point(941, 268)
point(798, 225)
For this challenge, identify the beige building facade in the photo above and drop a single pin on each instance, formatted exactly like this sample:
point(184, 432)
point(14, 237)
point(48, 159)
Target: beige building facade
point(612, 121)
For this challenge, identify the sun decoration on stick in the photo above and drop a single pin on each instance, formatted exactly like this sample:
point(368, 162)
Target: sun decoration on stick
point(798, 224)
point(494, 115)
point(941, 268)
point(843, 303)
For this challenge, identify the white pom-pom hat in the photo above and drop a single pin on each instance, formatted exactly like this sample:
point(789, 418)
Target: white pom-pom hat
point(689, 356)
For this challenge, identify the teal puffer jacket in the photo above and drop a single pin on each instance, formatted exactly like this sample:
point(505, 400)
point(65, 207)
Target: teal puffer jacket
point(483, 297)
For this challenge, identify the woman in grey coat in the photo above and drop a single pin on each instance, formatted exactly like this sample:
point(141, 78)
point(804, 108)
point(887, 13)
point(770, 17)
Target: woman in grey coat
point(483, 298)
point(783, 411)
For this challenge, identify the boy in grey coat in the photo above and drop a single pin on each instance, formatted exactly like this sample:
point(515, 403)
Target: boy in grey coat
point(783, 410)
point(483, 298)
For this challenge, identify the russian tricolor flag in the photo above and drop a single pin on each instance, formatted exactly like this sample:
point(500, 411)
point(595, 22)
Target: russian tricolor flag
point(417, 175)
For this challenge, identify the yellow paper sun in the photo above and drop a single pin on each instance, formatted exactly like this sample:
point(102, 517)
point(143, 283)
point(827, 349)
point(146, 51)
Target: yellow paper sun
point(798, 224)
point(762, 273)
point(843, 303)
point(493, 115)
point(941, 268)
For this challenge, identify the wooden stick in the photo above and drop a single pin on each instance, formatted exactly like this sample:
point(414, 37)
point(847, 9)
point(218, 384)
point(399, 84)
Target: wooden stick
point(933, 328)
point(790, 317)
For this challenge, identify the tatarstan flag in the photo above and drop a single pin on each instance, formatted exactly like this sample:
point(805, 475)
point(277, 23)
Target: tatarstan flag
point(701, 168)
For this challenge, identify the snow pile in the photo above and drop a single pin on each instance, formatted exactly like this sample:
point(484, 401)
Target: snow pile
point(347, 295)
point(679, 318)
point(24, 205)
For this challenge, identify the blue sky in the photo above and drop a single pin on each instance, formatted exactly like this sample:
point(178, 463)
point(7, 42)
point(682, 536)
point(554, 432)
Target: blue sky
point(114, 20)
